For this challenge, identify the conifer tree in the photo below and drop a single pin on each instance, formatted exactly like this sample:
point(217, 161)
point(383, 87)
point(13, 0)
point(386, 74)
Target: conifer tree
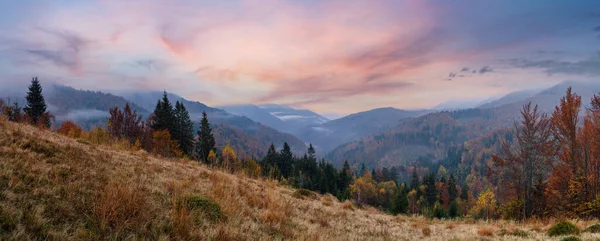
point(452, 191)
point(401, 201)
point(164, 118)
point(36, 105)
point(269, 162)
point(414, 183)
point(184, 130)
point(206, 140)
point(430, 190)
point(286, 160)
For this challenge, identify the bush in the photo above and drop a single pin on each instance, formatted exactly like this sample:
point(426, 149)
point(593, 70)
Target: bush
point(570, 238)
point(593, 229)
point(304, 193)
point(563, 228)
point(209, 208)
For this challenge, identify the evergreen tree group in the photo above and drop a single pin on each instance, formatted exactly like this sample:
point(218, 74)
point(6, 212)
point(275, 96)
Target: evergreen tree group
point(176, 120)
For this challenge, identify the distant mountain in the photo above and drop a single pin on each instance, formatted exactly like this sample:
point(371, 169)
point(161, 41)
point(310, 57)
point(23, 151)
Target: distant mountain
point(510, 98)
point(282, 118)
point(331, 134)
point(462, 104)
point(260, 133)
point(430, 135)
point(88, 108)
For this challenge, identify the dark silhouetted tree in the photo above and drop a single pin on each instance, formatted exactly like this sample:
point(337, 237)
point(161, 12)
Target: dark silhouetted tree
point(36, 105)
point(184, 129)
point(206, 140)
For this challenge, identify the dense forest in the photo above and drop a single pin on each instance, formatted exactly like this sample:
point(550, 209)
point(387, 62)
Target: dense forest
point(544, 166)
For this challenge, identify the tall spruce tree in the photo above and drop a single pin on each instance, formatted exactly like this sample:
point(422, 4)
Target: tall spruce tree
point(452, 191)
point(164, 116)
point(269, 163)
point(286, 160)
point(414, 183)
point(206, 140)
point(184, 129)
point(400, 201)
point(36, 105)
point(430, 190)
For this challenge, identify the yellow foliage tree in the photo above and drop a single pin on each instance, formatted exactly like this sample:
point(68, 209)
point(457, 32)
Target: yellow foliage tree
point(98, 136)
point(252, 168)
point(486, 204)
point(229, 159)
point(212, 157)
point(364, 190)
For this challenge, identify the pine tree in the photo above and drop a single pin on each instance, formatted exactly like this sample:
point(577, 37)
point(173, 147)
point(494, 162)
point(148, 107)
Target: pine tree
point(164, 116)
point(206, 140)
point(36, 105)
point(414, 183)
point(464, 193)
point(362, 170)
point(452, 191)
point(430, 190)
point(184, 129)
point(285, 161)
point(401, 201)
point(269, 163)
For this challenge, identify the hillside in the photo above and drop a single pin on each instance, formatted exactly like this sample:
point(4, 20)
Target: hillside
point(57, 188)
point(430, 135)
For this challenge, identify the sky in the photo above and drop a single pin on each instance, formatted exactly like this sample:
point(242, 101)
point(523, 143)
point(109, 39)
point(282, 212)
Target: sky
point(331, 56)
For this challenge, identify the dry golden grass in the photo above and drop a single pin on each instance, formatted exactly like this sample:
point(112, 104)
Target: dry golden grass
point(56, 188)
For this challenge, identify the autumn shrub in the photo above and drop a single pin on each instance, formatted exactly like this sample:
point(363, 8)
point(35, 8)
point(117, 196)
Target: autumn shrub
point(97, 136)
point(163, 145)
point(206, 207)
point(70, 129)
point(563, 228)
point(593, 229)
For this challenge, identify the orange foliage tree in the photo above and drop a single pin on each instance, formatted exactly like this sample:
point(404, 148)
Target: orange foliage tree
point(162, 145)
point(70, 129)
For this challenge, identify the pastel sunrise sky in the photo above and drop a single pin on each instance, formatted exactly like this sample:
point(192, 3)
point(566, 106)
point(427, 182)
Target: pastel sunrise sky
point(338, 56)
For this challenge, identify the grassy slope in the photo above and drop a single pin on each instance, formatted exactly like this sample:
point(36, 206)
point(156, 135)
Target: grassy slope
point(54, 187)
